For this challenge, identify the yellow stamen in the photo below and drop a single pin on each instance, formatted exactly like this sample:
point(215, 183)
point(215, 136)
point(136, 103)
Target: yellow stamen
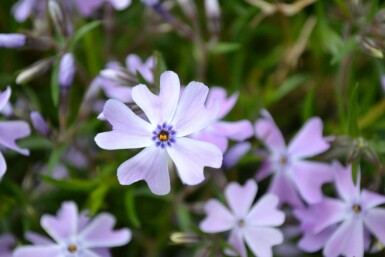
point(72, 248)
point(356, 208)
point(163, 136)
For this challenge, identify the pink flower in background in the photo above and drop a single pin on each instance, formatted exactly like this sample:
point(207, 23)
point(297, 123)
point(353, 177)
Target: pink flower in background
point(342, 226)
point(7, 242)
point(74, 235)
point(252, 224)
point(235, 153)
point(293, 175)
point(171, 118)
point(220, 131)
point(10, 131)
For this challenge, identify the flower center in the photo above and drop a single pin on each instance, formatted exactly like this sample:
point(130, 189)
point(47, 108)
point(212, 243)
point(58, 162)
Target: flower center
point(164, 135)
point(283, 160)
point(72, 248)
point(356, 208)
point(241, 223)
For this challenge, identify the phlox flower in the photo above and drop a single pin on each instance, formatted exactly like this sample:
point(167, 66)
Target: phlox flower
point(7, 242)
point(220, 131)
point(343, 226)
point(293, 174)
point(74, 235)
point(252, 224)
point(10, 131)
point(171, 118)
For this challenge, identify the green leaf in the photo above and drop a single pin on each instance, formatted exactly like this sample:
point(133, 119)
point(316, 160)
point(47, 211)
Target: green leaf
point(288, 86)
point(55, 158)
point(80, 33)
point(353, 113)
point(129, 203)
point(55, 87)
point(72, 184)
point(96, 198)
point(224, 47)
point(35, 142)
point(343, 50)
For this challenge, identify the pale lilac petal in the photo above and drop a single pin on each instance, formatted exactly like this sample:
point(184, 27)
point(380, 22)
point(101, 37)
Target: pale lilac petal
point(261, 240)
point(40, 251)
point(283, 187)
point(10, 131)
point(191, 114)
point(344, 181)
point(4, 97)
point(103, 252)
point(64, 225)
point(151, 165)
point(236, 241)
point(3, 165)
point(218, 218)
point(90, 253)
point(219, 95)
point(191, 156)
point(370, 199)
point(314, 242)
point(348, 240)
point(240, 198)
point(38, 239)
point(265, 212)
point(22, 9)
point(265, 170)
point(375, 222)
point(133, 63)
point(7, 242)
point(267, 131)
point(129, 130)
point(159, 109)
point(304, 173)
point(323, 215)
point(309, 140)
point(100, 233)
point(87, 7)
point(67, 69)
point(238, 131)
point(121, 93)
point(210, 137)
point(120, 4)
point(235, 153)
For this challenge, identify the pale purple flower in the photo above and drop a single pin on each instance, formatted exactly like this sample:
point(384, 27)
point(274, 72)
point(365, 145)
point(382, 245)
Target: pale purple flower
point(134, 64)
point(150, 2)
point(253, 224)
point(12, 40)
point(74, 235)
point(342, 226)
point(235, 153)
point(171, 118)
point(10, 131)
point(88, 7)
point(7, 242)
point(39, 123)
point(293, 174)
point(67, 70)
point(220, 131)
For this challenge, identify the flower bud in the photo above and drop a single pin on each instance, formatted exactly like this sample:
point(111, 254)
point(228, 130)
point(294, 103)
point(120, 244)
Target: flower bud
point(67, 70)
point(57, 17)
point(184, 238)
point(12, 40)
point(33, 71)
point(39, 123)
point(213, 13)
point(116, 75)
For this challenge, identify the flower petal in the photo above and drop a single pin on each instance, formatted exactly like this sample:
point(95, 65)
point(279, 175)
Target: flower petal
point(151, 165)
point(3, 166)
point(100, 233)
point(348, 240)
point(103, 252)
point(191, 156)
point(218, 218)
point(38, 239)
point(344, 181)
point(304, 173)
point(238, 131)
point(262, 239)
point(235, 153)
point(265, 212)
point(10, 131)
point(236, 241)
point(219, 95)
point(265, 170)
point(159, 109)
point(120, 4)
point(314, 242)
point(22, 9)
point(90, 253)
point(41, 251)
point(309, 140)
point(240, 198)
point(191, 115)
point(370, 199)
point(284, 188)
point(64, 225)
point(375, 222)
point(267, 131)
point(4, 97)
point(208, 136)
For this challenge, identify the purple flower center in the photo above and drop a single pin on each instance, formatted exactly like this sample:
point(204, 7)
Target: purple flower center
point(241, 223)
point(164, 135)
point(356, 208)
point(72, 248)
